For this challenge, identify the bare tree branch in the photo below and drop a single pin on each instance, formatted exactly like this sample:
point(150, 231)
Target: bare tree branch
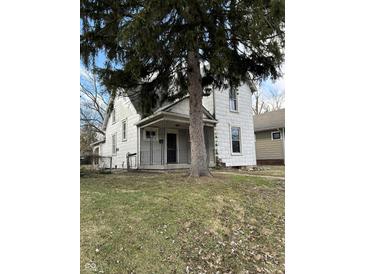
point(93, 102)
point(262, 103)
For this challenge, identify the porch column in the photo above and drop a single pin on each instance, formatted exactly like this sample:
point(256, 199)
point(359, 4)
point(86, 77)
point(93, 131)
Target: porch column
point(138, 158)
point(163, 133)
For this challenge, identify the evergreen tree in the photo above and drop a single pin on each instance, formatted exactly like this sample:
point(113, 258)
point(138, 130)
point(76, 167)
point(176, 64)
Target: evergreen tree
point(167, 48)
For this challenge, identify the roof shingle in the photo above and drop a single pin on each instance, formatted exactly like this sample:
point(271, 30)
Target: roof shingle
point(269, 120)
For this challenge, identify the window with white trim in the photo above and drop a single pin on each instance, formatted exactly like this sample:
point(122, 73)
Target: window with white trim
point(236, 139)
point(150, 134)
point(233, 100)
point(124, 130)
point(275, 135)
point(114, 143)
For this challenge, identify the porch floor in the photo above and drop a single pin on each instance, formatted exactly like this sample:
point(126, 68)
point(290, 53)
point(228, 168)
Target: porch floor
point(170, 166)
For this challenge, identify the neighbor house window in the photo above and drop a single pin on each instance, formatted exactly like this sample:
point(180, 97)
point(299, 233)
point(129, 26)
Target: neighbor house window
point(236, 146)
point(113, 116)
point(276, 135)
point(150, 134)
point(232, 100)
point(124, 130)
point(114, 143)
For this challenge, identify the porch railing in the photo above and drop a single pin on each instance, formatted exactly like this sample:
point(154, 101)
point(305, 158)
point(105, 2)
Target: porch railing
point(158, 157)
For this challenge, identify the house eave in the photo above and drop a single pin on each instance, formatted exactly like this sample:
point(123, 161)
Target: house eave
point(187, 117)
point(171, 116)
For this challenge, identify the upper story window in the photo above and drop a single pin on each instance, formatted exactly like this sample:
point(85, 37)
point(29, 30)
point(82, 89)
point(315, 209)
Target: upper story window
point(113, 116)
point(114, 143)
point(236, 139)
point(276, 135)
point(124, 130)
point(233, 100)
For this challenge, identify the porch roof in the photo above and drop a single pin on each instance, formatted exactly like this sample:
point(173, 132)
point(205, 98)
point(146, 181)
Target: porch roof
point(170, 116)
point(97, 142)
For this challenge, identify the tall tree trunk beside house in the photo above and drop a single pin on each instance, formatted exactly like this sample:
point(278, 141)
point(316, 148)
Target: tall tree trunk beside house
point(199, 165)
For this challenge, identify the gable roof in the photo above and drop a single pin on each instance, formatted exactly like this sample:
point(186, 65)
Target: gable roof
point(109, 110)
point(177, 109)
point(172, 107)
point(269, 120)
point(120, 97)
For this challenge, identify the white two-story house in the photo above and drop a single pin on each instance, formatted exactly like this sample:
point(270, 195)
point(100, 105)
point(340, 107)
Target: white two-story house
point(161, 140)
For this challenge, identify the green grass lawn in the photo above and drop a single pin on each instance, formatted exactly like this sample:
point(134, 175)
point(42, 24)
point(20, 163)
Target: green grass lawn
point(169, 223)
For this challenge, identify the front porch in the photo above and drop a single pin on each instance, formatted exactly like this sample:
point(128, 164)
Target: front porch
point(164, 141)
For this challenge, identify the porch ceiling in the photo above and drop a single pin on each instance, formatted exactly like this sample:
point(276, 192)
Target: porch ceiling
point(168, 124)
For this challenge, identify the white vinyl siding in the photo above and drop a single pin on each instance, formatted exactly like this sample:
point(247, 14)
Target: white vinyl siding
point(124, 110)
point(227, 119)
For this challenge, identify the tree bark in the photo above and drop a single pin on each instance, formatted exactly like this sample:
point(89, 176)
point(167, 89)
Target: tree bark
point(199, 165)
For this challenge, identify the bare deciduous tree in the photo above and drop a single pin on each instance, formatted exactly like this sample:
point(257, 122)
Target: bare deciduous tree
point(259, 105)
point(276, 99)
point(87, 137)
point(272, 99)
point(93, 102)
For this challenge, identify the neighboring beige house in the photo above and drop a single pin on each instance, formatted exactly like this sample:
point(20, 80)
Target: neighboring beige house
point(161, 140)
point(270, 137)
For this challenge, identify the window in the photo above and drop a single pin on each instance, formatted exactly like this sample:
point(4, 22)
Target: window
point(236, 146)
point(150, 134)
point(113, 116)
point(114, 143)
point(276, 135)
point(124, 130)
point(232, 100)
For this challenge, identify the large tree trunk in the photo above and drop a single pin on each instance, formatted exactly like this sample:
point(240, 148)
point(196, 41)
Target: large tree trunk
point(199, 165)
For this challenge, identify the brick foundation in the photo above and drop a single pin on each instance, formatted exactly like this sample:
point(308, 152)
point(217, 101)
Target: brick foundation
point(276, 162)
